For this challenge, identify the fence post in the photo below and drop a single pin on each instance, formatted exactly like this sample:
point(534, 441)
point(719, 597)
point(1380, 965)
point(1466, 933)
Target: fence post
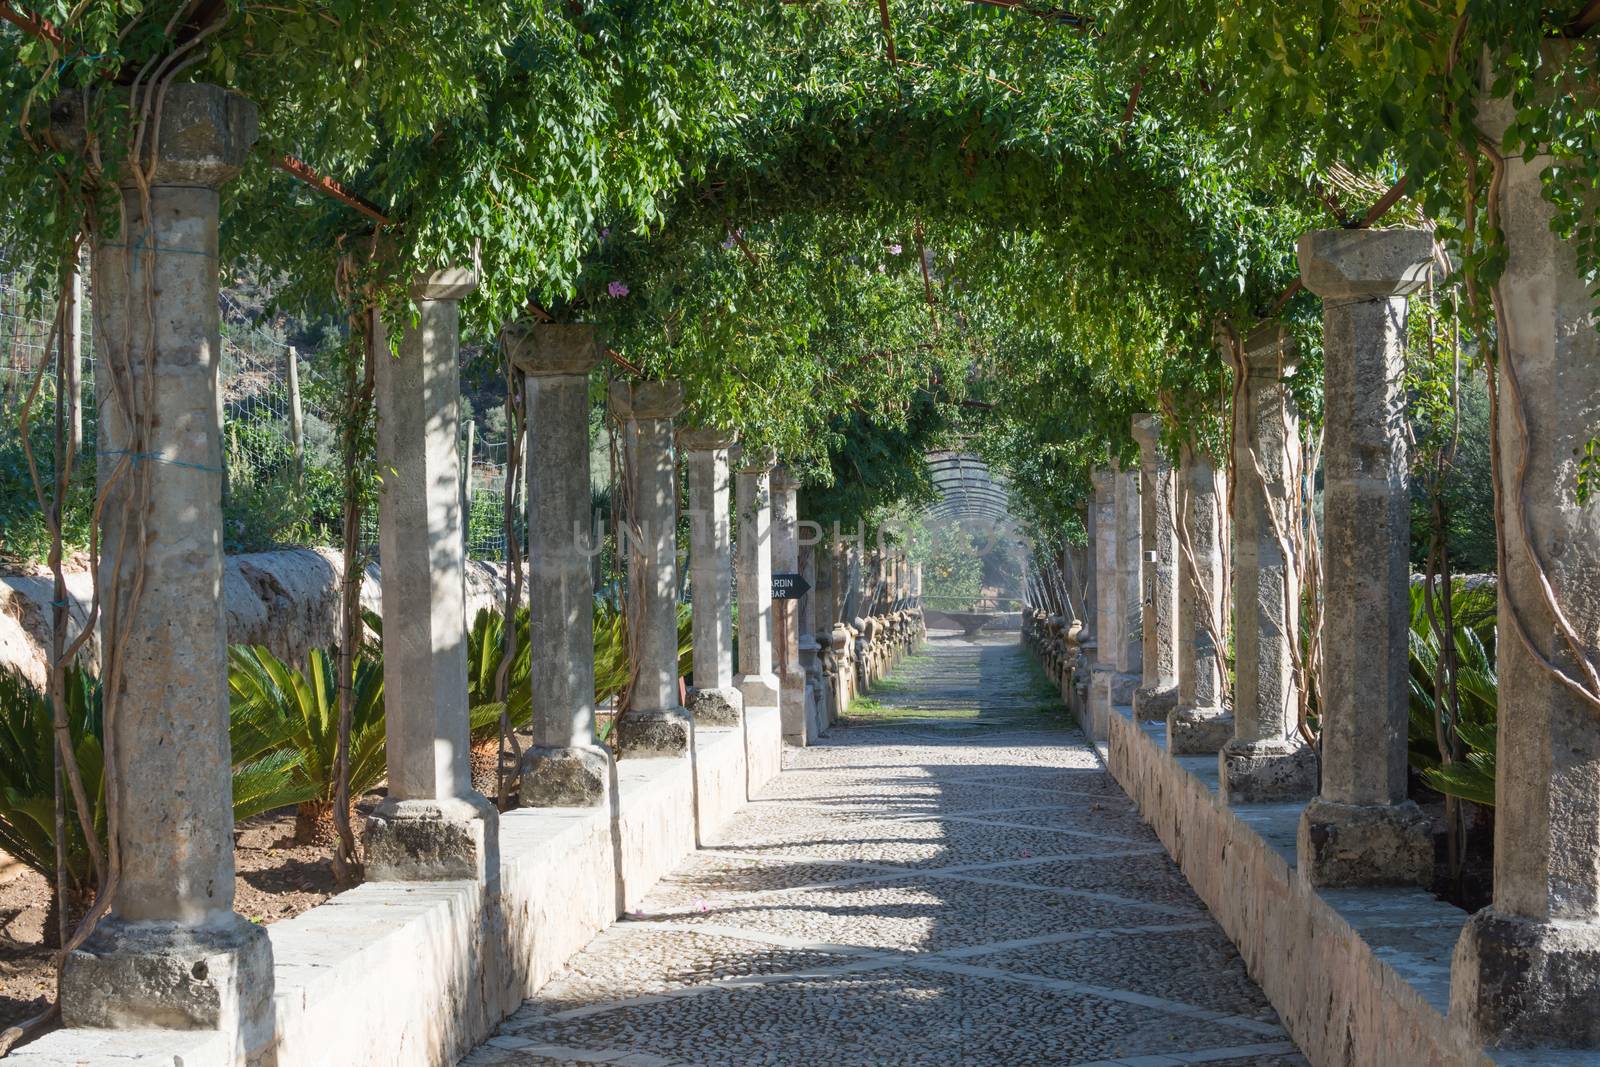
point(466, 490)
point(296, 421)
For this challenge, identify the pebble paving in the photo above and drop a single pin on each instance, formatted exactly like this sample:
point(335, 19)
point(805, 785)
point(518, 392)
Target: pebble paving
point(950, 878)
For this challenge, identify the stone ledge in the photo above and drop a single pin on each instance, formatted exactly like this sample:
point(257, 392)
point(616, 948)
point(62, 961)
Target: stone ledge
point(1359, 976)
point(394, 974)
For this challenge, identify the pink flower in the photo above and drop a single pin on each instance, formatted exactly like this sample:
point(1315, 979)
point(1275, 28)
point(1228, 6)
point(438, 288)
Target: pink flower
point(894, 249)
point(616, 290)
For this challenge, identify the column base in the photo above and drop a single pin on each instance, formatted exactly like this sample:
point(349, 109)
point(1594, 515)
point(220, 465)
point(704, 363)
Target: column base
point(1151, 703)
point(717, 707)
point(1522, 983)
point(757, 690)
point(174, 976)
point(658, 732)
point(451, 839)
point(1193, 731)
point(1342, 845)
point(1254, 772)
point(792, 697)
point(575, 777)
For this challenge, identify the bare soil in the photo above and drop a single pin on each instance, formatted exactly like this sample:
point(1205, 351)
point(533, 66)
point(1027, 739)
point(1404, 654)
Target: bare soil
point(275, 879)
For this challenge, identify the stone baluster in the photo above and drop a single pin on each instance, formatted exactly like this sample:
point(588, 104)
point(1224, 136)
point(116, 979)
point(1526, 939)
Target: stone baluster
point(655, 723)
point(715, 700)
point(1266, 759)
point(1361, 829)
point(757, 681)
point(1527, 969)
point(1200, 725)
point(172, 952)
point(564, 767)
point(786, 613)
point(1158, 539)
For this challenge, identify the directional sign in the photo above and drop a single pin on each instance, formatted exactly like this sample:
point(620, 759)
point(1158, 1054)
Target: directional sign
point(789, 586)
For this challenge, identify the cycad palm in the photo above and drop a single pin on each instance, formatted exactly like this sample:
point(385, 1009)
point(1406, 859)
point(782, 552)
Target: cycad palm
point(292, 717)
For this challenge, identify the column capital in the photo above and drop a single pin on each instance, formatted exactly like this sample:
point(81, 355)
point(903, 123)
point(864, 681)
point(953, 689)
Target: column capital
point(783, 479)
point(1497, 113)
point(205, 137)
point(752, 460)
point(706, 438)
point(1103, 479)
point(1146, 430)
point(1269, 353)
point(446, 283)
point(551, 349)
point(647, 400)
point(1365, 264)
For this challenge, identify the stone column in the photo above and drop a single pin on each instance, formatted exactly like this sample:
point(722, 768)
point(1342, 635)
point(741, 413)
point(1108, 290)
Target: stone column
point(431, 825)
point(1104, 670)
point(564, 767)
point(1129, 638)
point(1266, 759)
point(1527, 969)
point(1158, 536)
point(810, 651)
point(714, 700)
point(1199, 725)
point(1361, 829)
point(172, 952)
point(655, 724)
point(786, 613)
point(757, 681)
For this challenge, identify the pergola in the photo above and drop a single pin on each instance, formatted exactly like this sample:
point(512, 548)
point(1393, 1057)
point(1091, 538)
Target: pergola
point(968, 489)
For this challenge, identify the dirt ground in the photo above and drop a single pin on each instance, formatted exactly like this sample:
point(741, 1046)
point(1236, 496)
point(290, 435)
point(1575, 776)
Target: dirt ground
point(275, 879)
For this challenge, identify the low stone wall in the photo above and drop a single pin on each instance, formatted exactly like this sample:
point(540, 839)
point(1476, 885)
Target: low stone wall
point(1343, 1004)
point(286, 600)
point(394, 974)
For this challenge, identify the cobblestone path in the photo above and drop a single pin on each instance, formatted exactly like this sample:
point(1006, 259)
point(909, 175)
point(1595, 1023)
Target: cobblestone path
point(950, 879)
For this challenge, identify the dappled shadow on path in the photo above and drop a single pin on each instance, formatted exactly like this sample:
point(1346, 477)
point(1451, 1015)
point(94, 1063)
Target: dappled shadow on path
point(951, 878)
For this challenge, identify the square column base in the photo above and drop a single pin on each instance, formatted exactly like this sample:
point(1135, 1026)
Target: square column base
point(1254, 772)
point(1341, 845)
point(575, 777)
point(1197, 731)
point(717, 707)
point(174, 976)
point(792, 694)
point(757, 690)
point(456, 838)
point(1522, 983)
point(1152, 703)
point(657, 732)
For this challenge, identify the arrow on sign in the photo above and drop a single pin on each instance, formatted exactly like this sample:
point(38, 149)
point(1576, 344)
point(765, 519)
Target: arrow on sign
point(789, 586)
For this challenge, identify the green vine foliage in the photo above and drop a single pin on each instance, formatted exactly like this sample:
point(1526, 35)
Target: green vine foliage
point(1016, 235)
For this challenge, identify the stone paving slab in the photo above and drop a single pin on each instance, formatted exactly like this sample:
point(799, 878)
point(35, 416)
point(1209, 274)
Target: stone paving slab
point(917, 890)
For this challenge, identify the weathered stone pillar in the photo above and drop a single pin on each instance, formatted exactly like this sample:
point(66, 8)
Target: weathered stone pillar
point(431, 825)
point(714, 700)
point(1361, 829)
point(1199, 725)
point(1129, 639)
point(810, 658)
point(1104, 670)
point(756, 681)
point(655, 724)
point(172, 952)
point(786, 613)
point(1266, 759)
point(1158, 538)
point(1527, 969)
point(564, 767)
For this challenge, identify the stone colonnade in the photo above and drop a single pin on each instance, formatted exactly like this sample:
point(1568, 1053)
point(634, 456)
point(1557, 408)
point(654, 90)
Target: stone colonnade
point(1526, 971)
point(172, 952)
